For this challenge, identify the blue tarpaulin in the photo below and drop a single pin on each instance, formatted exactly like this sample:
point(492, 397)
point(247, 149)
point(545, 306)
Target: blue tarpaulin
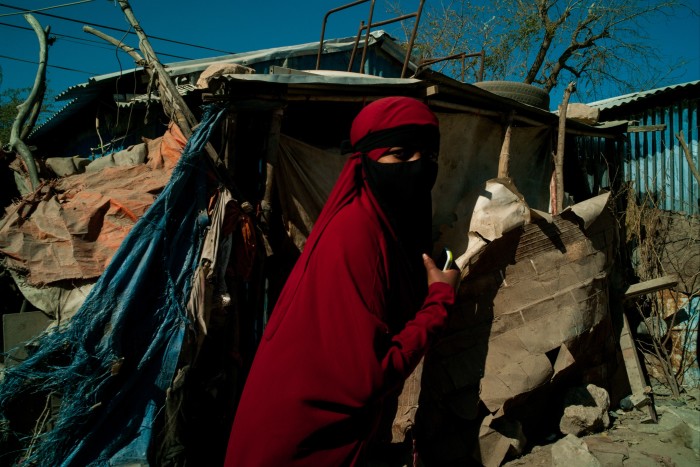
point(113, 361)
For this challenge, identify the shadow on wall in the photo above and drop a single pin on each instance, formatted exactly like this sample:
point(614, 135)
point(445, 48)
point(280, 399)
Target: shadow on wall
point(532, 307)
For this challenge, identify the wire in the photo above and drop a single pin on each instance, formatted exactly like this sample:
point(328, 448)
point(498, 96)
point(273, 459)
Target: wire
point(121, 30)
point(46, 8)
point(52, 66)
point(100, 44)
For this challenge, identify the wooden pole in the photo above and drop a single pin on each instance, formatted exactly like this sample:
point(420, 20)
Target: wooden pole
point(559, 156)
point(129, 50)
point(504, 158)
point(272, 148)
point(170, 98)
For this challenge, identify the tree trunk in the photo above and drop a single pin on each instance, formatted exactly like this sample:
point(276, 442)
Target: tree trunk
point(28, 111)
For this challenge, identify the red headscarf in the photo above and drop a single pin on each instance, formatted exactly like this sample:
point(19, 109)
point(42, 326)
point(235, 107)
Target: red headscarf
point(381, 125)
point(394, 121)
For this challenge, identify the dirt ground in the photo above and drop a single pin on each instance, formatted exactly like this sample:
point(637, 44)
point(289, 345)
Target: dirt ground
point(632, 440)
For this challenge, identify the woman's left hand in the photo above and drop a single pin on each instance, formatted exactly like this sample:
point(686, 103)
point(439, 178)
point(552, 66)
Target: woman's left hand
point(435, 274)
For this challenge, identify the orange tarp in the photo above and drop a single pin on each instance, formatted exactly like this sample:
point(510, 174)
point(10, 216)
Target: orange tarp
point(70, 227)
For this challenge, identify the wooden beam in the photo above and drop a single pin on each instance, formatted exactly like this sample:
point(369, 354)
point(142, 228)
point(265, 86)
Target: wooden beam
point(635, 376)
point(645, 128)
point(660, 283)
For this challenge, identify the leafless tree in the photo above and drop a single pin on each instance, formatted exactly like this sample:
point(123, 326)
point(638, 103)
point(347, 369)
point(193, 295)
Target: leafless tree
point(552, 42)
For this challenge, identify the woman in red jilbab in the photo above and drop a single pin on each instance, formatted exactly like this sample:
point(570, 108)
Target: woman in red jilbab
point(360, 307)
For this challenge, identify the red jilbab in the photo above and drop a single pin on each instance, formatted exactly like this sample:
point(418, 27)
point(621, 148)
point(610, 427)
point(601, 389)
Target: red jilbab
point(331, 350)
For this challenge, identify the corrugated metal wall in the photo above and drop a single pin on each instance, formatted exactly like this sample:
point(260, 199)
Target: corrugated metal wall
point(655, 160)
point(655, 163)
point(596, 158)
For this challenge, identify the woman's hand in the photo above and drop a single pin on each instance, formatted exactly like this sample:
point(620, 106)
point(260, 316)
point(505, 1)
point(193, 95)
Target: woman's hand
point(451, 276)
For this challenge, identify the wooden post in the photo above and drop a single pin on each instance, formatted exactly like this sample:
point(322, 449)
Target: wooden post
point(170, 98)
point(272, 148)
point(129, 50)
point(633, 365)
point(688, 156)
point(559, 156)
point(504, 158)
point(230, 135)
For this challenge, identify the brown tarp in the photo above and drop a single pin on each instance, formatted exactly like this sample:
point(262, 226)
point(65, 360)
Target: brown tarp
point(469, 150)
point(68, 230)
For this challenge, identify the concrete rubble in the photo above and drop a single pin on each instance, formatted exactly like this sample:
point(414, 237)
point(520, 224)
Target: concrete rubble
point(586, 411)
point(571, 450)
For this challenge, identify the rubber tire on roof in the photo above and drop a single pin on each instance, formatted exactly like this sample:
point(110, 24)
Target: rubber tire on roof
point(521, 92)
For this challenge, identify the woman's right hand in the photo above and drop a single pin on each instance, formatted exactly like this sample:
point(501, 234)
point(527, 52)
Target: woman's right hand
point(435, 274)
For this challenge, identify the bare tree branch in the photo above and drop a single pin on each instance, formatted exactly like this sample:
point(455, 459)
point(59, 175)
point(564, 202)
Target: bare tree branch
point(28, 111)
point(550, 30)
point(540, 41)
point(173, 103)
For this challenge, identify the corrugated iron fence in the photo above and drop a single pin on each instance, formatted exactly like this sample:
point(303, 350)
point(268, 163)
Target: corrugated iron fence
point(655, 160)
point(651, 157)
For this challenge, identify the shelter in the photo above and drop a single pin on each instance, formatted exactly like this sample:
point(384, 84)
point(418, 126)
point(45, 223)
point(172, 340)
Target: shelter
point(277, 134)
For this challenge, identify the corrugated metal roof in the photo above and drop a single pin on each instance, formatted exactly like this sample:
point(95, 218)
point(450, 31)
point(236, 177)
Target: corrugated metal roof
point(127, 100)
point(654, 162)
point(246, 59)
point(82, 93)
point(625, 99)
point(317, 78)
point(71, 108)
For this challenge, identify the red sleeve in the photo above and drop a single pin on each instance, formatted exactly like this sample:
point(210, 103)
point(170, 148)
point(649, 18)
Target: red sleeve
point(344, 299)
point(412, 342)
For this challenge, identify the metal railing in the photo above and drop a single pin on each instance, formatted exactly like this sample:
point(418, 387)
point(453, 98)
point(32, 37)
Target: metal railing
point(367, 28)
point(325, 21)
point(482, 55)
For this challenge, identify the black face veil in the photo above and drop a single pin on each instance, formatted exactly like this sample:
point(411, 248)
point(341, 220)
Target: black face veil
point(403, 192)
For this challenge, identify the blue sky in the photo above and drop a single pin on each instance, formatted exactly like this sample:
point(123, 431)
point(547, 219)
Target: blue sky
point(227, 26)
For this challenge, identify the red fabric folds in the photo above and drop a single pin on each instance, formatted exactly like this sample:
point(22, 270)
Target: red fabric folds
point(328, 355)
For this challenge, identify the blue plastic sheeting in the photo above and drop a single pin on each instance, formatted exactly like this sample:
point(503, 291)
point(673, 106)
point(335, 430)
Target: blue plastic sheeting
point(113, 362)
